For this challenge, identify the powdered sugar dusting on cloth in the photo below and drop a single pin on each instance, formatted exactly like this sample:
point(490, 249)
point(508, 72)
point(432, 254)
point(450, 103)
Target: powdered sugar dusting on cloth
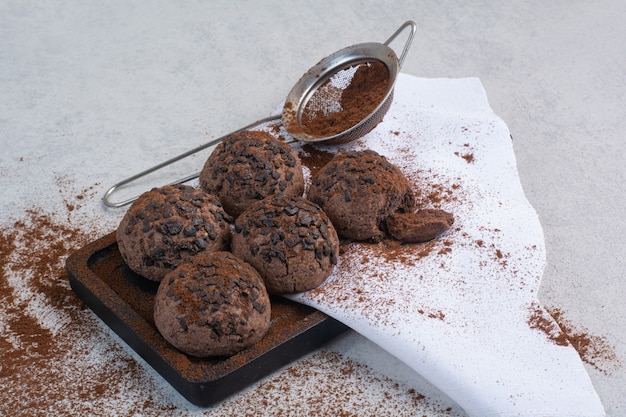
point(459, 309)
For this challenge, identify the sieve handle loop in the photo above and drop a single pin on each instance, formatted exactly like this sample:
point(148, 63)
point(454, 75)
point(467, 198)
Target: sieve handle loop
point(413, 27)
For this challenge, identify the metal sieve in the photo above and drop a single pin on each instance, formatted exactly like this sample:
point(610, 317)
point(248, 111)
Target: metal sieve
point(336, 70)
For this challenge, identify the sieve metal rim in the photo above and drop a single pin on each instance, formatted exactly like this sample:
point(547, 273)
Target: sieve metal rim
point(321, 72)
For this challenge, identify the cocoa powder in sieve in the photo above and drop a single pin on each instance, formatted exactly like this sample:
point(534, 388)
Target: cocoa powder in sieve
point(359, 99)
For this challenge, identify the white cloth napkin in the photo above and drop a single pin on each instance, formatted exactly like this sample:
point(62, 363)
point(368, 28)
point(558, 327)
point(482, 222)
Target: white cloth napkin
point(462, 310)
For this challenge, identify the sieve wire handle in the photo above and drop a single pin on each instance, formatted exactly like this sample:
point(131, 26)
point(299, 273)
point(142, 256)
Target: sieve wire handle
point(413, 27)
point(107, 195)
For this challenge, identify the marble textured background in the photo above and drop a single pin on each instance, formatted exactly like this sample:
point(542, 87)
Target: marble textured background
point(84, 86)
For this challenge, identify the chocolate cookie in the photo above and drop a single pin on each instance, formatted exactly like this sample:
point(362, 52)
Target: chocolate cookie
point(358, 190)
point(289, 240)
point(215, 305)
point(422, 226)
point(169, 225)
point(247, 167)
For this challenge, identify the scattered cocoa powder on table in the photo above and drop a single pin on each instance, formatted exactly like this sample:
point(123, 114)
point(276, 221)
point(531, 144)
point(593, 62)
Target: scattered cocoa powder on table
point(54, 346)
point(46, 329)
point(593, 350)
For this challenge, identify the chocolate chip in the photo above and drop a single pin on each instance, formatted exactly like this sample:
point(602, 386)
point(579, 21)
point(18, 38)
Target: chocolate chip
point(308, 243)
point(323, 228)
point(274, 238)
point(262, 178)
point(291, 209)
point(333, 258)
point(189, 231)
point(347, 196)
point(156, 254)
point(171, 227)
point(259, 307)
point(268, 223)
point(201, 243)
point(291, 241)
point(183, 323)
point(147, 226)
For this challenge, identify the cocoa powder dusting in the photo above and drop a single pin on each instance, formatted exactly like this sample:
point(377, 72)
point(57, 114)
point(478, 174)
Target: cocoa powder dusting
point(349, 389)
point(314, 158)
point(593, 349)
point(466, 154)
point(46, 327)
point(54, 346)
point(361, 258)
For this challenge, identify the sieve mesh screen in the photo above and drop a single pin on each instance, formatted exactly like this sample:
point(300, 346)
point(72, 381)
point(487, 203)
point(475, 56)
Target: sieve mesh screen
point(345, 99)
point(327, 98)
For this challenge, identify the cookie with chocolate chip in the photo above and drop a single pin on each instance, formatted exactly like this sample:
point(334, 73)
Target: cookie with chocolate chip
point(169, 225)
point(289, 240)
point(358, 190)
point(214, 305)
point(248, 166)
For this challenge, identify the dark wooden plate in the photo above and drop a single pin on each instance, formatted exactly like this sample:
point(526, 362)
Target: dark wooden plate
point(124, 301)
